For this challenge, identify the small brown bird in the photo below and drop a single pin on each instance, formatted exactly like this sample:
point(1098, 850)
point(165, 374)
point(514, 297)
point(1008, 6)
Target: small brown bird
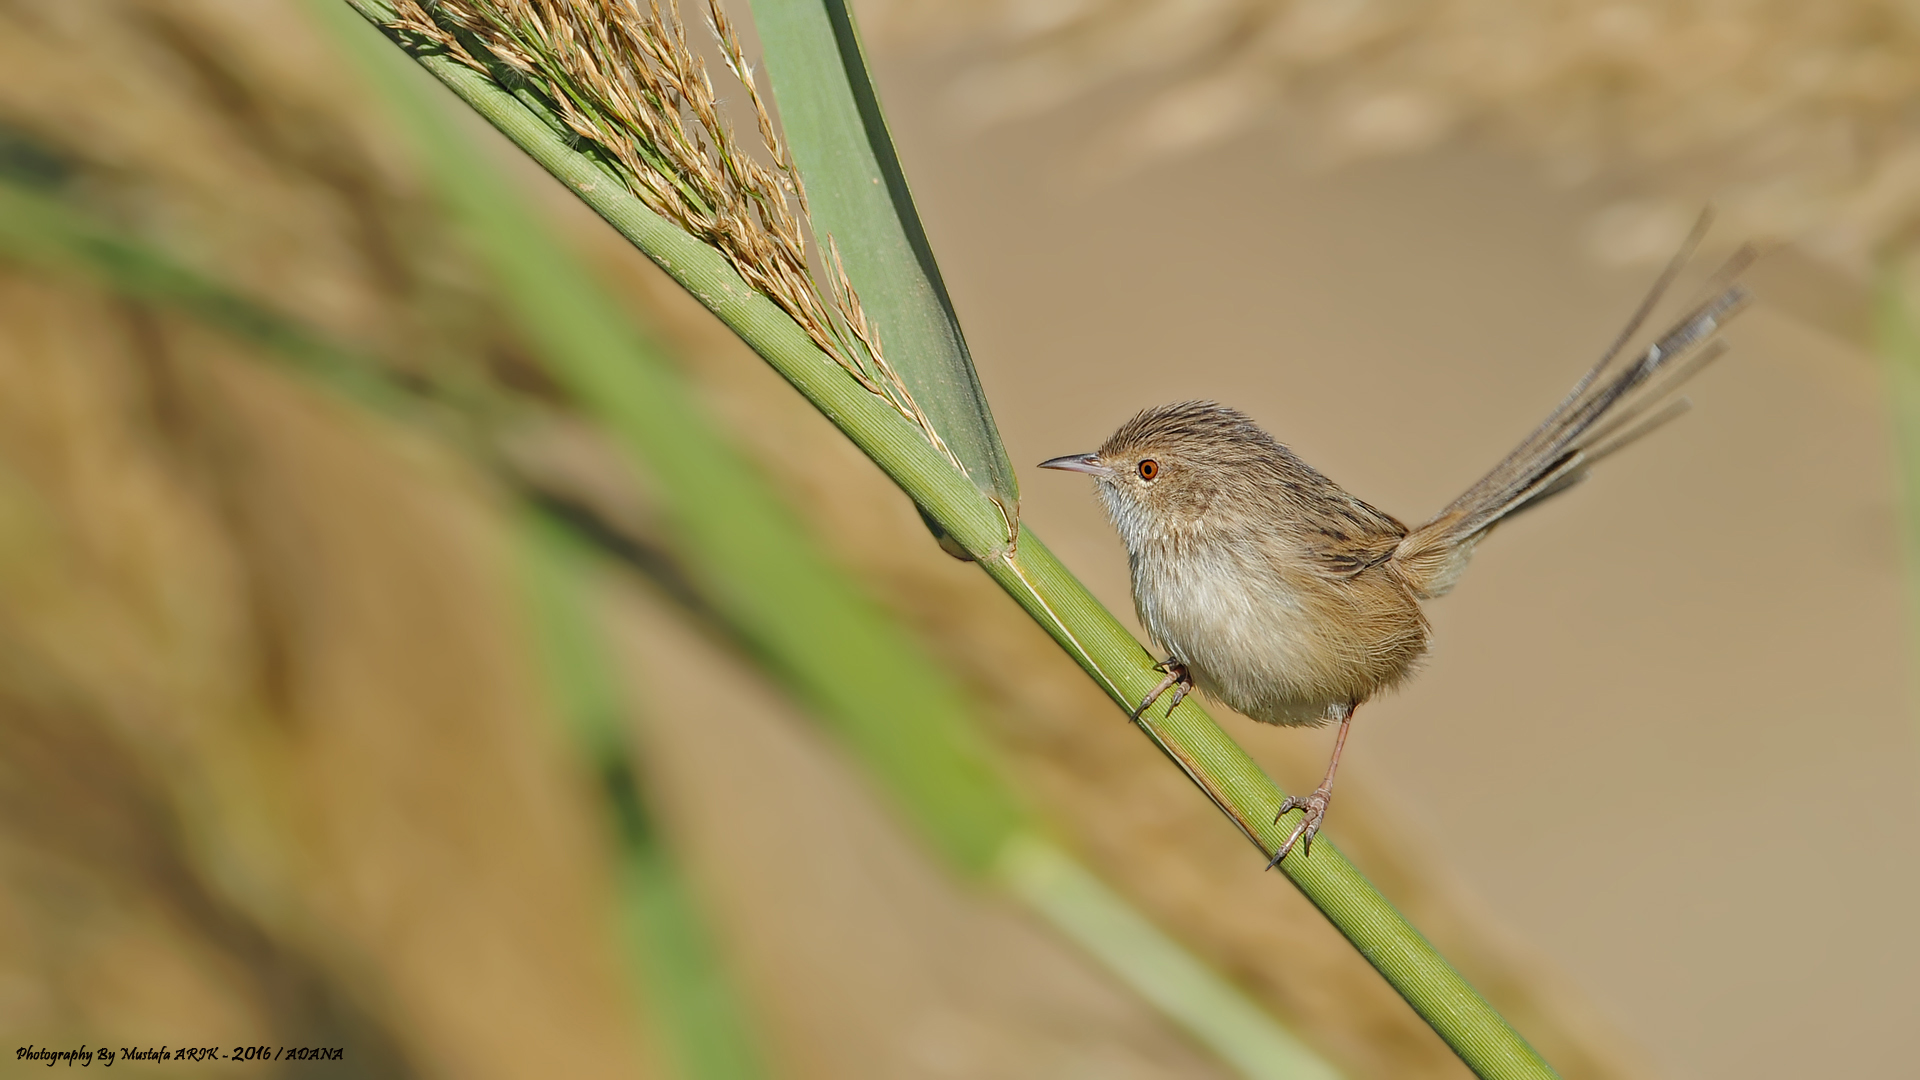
point(1278, 593)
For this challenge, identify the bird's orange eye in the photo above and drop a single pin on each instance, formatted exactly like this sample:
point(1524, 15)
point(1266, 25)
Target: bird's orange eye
point(1149, 469)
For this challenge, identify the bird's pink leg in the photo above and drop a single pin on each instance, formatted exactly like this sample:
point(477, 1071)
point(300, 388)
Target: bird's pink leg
point(1315, 805)
point(1176, 675)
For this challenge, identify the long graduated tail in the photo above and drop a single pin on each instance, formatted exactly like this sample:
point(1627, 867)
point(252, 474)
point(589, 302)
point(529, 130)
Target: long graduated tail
point(1611, 406)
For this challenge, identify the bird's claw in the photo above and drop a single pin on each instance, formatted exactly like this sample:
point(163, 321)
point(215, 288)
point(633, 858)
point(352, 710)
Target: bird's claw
point(1315, 808)
point(1177, 678)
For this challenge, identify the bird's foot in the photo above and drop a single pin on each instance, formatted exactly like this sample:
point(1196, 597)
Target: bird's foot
point(1315, 807)
point(1178, 679)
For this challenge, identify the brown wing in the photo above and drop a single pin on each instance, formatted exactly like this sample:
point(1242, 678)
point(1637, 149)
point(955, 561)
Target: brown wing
point(1348, 536)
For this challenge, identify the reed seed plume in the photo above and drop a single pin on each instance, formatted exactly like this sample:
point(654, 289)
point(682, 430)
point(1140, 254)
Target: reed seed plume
point(623, 77)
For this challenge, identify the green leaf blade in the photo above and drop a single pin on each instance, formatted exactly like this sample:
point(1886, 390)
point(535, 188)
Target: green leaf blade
point(858, 195)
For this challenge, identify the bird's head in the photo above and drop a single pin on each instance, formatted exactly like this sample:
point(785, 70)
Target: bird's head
point(1165, 469)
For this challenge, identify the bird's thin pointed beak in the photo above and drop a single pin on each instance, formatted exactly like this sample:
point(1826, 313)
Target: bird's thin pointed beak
point(1086, 463)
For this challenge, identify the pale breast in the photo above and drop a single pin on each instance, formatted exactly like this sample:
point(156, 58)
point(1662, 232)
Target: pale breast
point(1279, 646)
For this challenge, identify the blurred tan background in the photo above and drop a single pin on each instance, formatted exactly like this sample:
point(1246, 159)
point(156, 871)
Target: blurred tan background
point(278, 766)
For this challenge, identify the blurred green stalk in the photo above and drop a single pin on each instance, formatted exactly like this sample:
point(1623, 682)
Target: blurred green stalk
point(1897, 336)
point(804, 636)
point(1091, 915)
point(704, 1024)
point(39, 229)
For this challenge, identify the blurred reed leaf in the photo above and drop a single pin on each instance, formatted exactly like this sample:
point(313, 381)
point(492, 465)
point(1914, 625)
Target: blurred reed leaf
point(1084, 909)
point(1897, 335)
point(687, 986)
point(43, 230)
point(857, 196)
point(1029, 573)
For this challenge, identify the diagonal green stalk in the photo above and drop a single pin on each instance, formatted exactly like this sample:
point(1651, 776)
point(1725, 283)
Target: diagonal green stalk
point(1029, 573)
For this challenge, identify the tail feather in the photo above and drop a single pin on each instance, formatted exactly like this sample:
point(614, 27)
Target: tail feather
point(1611, 406)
